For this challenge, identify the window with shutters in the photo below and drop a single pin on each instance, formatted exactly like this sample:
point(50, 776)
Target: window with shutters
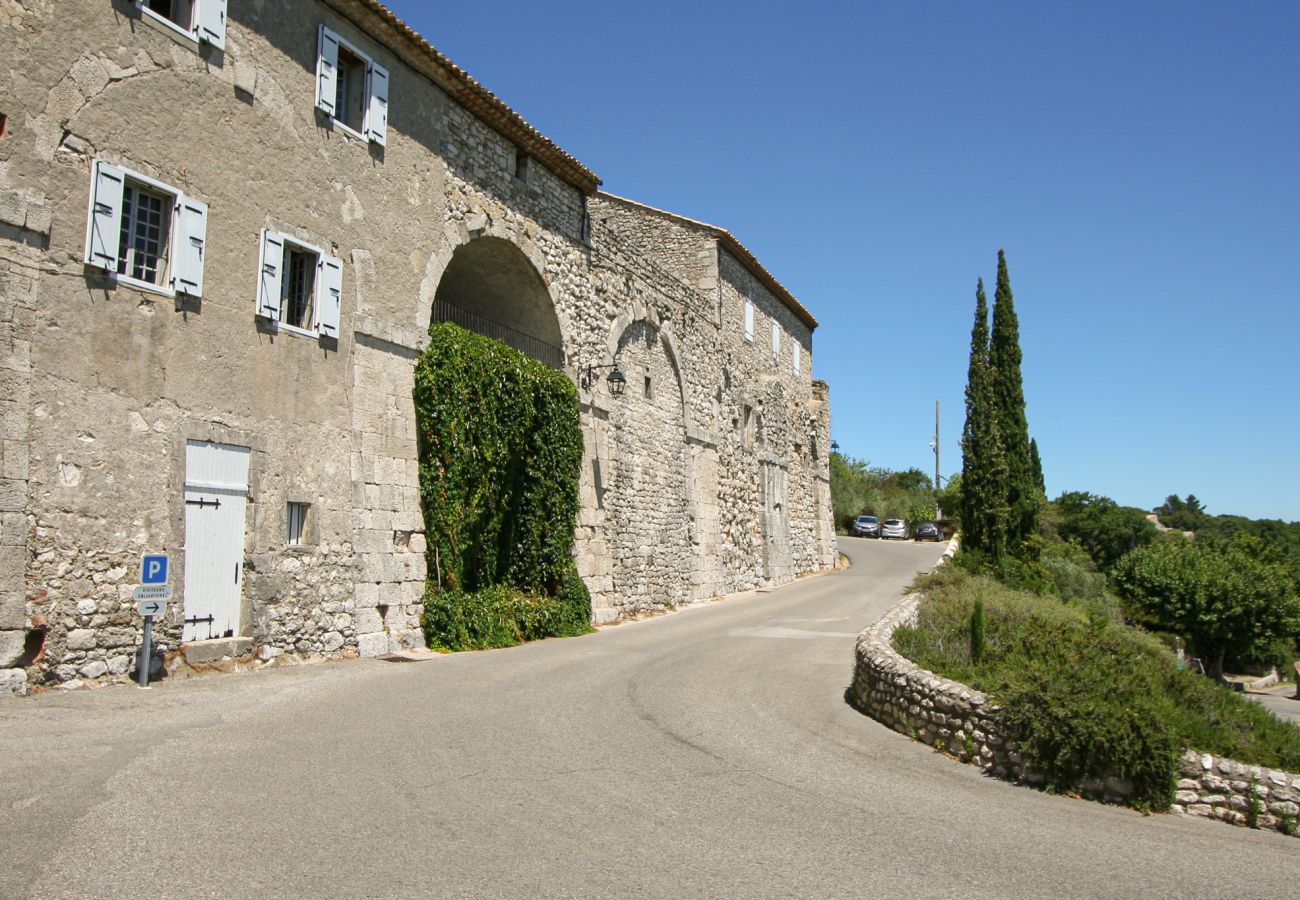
point(351, 88)
point(145, 233)
point(299, 287)
point(200, 20)
point(798, 358)
point(749, 320)
point(776, 341)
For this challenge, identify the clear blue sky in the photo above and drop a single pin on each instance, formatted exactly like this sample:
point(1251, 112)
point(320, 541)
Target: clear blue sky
point(1139, 162)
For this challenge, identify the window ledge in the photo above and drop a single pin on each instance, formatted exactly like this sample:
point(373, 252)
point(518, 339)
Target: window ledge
point(301, 549)
point(348, 130)
point(146, 286)
point(296, 331)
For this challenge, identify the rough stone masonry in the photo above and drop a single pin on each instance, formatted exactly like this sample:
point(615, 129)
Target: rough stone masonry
point(224, 231)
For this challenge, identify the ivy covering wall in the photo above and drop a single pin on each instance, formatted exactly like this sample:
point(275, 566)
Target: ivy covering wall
point(500, 445)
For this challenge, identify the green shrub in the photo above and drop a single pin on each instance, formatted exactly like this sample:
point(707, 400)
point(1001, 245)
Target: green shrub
point(1085, 696)
point(977, 631)
point(500, 446)
point(498, 616)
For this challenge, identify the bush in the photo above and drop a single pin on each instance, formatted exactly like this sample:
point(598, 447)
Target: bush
point(500, 616)
point(1086, 697)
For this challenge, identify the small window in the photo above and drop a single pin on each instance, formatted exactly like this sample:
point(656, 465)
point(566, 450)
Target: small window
point(298, 523)
point(351, 88)
point(649, 387)
point(812, 446)
point(747, 425)
point(146, 225)
point(202, 20)
point(798, 358)
point(179, 12)
point(145, 233)
point(298, 286)
point(749, 320)
point(521, 165)
point(350, 91)
point(776, 341)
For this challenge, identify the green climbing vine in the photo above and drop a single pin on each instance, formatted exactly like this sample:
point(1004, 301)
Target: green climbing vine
point(500, 446)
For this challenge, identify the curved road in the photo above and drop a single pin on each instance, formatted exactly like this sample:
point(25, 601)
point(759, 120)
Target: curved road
point(707, 753)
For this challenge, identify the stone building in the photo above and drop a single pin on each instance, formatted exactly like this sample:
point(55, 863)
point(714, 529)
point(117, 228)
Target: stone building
point(224, 232)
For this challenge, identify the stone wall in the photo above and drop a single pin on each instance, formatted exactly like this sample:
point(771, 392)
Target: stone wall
point(961, 722)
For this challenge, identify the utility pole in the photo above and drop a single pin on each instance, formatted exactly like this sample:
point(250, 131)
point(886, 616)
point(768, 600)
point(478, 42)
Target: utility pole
point(934, 445)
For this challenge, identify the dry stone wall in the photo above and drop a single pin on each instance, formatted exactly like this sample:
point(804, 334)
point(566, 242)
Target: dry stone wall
point(961, 722)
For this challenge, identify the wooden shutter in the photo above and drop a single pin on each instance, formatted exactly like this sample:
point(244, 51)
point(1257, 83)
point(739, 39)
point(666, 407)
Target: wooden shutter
point(104, 219)
point(210, 22)
point(377, 110)
point(330, 299)
point(749, 320)
point(191, 239)
point(776, 340)
point(270, 270)
point(327, 71)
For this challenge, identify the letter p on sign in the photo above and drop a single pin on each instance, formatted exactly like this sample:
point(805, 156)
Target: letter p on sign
point(153, 569)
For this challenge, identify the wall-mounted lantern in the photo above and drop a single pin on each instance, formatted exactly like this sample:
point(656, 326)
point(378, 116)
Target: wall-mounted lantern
point(615, 379)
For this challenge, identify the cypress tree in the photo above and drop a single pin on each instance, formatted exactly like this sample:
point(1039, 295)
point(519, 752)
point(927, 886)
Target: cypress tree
point(1037, 463)
point(1008, 398)
point(983, 473)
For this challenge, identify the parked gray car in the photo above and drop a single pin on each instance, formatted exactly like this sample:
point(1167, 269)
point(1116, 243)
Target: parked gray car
point(866, 526)
point(926, 531)
point(894, 528)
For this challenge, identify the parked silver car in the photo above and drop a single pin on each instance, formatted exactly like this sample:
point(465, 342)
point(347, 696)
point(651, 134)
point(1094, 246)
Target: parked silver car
point(866, 526)
point(893, 528)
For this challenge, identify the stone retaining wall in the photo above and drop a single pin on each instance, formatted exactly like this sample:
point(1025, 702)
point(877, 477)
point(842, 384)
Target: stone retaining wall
point(961, 722)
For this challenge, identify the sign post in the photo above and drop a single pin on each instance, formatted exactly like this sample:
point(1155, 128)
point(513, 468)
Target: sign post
point(151, 600)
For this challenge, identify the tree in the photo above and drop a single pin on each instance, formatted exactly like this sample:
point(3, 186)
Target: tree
point(983, 471)
point(1182, 515)
point(1225, 600)
point(1037, 463)
point(1023, 496)
point(1102, 527)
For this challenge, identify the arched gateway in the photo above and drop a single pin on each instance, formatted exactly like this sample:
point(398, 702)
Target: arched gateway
point(492, 288)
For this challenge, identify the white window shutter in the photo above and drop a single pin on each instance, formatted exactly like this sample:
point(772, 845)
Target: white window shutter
point(270, 271)
point(191, 240)
point(798, 361)
point(330, 299)
point(377, 111)
point(327, 70)
point(104, 220)
point(749, 320)
point(776, 340)
point(210, 22)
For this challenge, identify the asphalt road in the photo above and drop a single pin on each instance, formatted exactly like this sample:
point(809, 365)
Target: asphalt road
point(706, 753)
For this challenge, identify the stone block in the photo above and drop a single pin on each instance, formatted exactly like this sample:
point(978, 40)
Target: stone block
point(81, 639)
point(93, 669)
point(12, 644)
point(373, 644)
point(13, 683)
point(217, 649)
point(13, 610)
point(13, 209)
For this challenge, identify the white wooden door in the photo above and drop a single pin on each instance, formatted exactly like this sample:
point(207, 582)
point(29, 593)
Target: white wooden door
point(216, 495)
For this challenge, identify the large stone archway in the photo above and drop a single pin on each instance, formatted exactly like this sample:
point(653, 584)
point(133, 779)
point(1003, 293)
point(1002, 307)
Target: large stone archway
point(489, 286)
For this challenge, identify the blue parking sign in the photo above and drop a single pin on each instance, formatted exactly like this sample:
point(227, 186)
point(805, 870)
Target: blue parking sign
point(153, 569)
